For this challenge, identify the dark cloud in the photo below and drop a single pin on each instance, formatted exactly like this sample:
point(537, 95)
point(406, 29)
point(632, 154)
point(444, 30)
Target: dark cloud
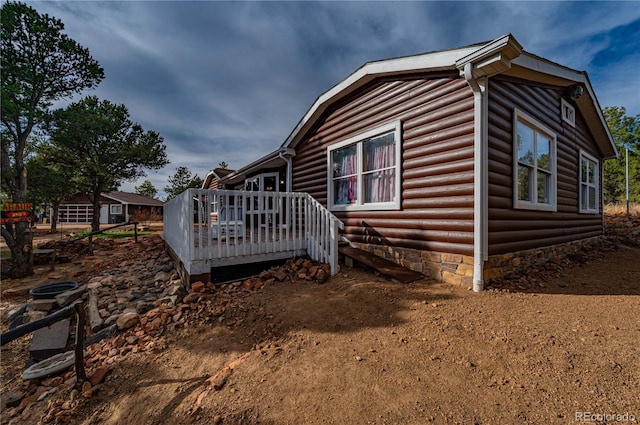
point(228, 81)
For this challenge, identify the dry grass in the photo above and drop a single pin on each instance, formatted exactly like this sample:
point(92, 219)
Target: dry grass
point(621, 209)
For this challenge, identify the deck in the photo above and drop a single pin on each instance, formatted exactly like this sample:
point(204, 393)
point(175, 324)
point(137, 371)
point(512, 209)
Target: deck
point(204, 229)
point(237, 244)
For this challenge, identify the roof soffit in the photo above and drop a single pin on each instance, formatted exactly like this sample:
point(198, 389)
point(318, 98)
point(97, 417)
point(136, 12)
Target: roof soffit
point(533, 68)
point(493, 58)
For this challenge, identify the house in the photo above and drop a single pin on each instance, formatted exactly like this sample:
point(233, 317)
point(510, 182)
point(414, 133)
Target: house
point(462, 164)
point(214, 176)
point(115, 207)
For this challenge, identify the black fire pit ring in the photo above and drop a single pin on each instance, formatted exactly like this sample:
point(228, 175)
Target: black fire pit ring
point(50, 290)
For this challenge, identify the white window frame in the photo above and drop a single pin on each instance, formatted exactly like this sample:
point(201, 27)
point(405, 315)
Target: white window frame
point(568, 113)
point(396, 128)
point(585, 156)
point(115, 209)
point(263, 207)
point(538, 128)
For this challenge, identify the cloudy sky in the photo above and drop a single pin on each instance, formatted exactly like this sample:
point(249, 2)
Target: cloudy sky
point(228, 81)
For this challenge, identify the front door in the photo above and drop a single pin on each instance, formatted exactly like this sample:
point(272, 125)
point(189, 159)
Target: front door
point(104, 214)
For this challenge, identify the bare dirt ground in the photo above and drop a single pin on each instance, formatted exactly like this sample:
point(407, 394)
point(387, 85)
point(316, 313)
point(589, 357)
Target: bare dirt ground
point(543, 348)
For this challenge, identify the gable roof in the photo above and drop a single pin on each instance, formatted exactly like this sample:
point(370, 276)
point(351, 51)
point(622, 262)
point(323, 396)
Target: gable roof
point(519, 64)
point(218, 173)
point(504, 55)
point(133, 199)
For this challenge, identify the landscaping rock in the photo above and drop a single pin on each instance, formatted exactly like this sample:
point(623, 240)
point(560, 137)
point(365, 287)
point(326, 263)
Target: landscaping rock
point(191, 298)
point(127, 320)
point(98, 376)
point(18, 311)
point(197, 287)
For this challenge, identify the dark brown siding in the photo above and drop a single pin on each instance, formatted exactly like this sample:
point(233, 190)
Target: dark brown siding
point(437, 168)
point(511, 229)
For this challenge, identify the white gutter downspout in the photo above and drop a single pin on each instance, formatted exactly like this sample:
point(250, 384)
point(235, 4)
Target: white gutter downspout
point(491, 59)
point(480, 173)
point(287, 158)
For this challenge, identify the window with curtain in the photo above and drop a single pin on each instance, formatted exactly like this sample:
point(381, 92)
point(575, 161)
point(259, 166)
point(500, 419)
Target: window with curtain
point(363, 171)
point(534, 164)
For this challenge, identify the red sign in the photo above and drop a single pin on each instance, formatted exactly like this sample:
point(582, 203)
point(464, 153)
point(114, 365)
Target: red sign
point(17, 207)
point(16, 213)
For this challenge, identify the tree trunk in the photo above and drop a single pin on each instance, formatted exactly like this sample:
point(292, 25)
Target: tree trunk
point(19, 239)
point(95, 219)
point(18, 236)
point(54, 217)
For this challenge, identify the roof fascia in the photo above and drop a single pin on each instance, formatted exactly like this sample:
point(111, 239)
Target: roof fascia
point(123, 202)
point(113, 198)
point(435, 61)
point(258, 164)
point(534, 68)
point(493, 58)
point(207, 180)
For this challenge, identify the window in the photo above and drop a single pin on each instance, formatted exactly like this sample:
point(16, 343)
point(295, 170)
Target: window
point(568, 113)
point(116, 209)
point(589, 170)
point(534, 164)
point(364, 171)
point(265, 182)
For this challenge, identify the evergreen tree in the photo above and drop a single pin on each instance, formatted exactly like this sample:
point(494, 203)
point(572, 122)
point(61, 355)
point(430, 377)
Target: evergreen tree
point(181, 181)
point(146, 189)
point(40, 65)
point(625, 131)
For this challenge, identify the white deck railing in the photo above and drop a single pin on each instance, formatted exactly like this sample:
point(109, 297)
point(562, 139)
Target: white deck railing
point(209, 228)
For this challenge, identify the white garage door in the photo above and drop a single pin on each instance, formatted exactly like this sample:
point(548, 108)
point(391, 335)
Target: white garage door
point(75, 214)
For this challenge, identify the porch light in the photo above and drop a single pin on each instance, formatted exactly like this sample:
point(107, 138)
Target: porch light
point(574, 92)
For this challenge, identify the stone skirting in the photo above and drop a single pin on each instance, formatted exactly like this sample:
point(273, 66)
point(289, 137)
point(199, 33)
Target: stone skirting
point(501, 265)
point(458, 269)
point(441, 266)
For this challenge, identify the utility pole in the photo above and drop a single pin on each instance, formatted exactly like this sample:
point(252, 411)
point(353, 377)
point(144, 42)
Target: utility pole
point(626, 178)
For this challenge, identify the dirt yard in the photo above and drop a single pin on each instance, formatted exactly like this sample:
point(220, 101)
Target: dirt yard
point(558, 346)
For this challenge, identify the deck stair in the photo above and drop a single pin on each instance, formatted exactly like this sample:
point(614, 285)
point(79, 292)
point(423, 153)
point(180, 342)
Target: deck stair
point(386, 267)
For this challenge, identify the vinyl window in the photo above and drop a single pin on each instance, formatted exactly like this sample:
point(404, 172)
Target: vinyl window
point(589, 168)
point(364, 171)
point(535, 172)
point(115, 209)
point(568, 113)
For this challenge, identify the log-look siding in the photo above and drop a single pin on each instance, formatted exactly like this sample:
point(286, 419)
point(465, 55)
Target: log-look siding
point(436, 112)
point(213, 184)
point(513, 230)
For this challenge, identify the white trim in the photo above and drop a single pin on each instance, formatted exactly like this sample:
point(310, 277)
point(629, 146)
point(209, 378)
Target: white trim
point(118, 206)
point(595, 185)
point(396, 128)
point(495, 57)
point(511, 60)
point(568, 112)
point(434, 61)
point(261, 188)
point(539, 128)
